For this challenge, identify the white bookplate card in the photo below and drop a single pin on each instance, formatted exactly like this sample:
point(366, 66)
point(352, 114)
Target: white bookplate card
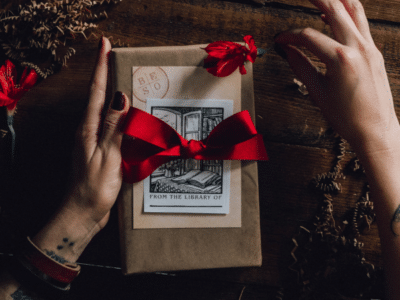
point(189, 185)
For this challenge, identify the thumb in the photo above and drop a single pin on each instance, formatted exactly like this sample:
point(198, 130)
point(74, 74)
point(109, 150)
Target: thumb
point(112, 134)
point(303, 68)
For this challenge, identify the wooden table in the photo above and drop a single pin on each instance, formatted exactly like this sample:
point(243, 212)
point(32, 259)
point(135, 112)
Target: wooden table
point(299, 142)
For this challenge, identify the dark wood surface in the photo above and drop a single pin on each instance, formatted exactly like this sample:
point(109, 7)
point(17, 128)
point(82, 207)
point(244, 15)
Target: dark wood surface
point(299, 142)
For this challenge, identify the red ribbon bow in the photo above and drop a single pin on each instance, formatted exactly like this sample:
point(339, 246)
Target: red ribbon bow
point(156, 143)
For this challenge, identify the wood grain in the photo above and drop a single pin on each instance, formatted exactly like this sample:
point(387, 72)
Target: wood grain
point(382, 10)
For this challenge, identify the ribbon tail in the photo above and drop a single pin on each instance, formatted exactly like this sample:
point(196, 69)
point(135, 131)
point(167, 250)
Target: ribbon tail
point(251, 149)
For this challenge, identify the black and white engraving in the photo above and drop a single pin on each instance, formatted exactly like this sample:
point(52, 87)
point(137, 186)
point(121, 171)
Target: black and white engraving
point(189, 175)
point(189, 185)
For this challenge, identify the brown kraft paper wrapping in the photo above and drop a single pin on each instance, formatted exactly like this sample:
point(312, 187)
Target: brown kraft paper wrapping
point(172, 249)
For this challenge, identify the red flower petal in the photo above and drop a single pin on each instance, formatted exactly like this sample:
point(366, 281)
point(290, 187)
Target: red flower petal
point(5, 100)
point(11, 71)
point(12, 105)
point(227, 66)
point(225, 57)
point(10, 93)
point(252, 48)
point(242, 70)
point(222, 49)
point(220, 46)
point(10, 74)
point(28, 80)
point(3, 82)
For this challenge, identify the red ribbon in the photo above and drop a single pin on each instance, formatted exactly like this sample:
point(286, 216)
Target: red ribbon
point(156, 143)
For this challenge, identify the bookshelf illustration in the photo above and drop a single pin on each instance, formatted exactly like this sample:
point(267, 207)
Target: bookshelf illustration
point(189, 175)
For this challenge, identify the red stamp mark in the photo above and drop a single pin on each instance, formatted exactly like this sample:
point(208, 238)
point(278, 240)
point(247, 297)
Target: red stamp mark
point(150, 82)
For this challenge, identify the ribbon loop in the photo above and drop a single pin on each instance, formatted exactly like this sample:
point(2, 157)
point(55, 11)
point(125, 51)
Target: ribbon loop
point(155, 143)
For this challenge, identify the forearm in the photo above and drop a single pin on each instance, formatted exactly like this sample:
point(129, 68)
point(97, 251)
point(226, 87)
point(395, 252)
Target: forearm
point(381, 160)
point(63, 239)
point(10, 289)
point(8, 285)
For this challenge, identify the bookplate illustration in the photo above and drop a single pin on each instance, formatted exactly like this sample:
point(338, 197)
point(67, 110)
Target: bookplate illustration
point(189, 185)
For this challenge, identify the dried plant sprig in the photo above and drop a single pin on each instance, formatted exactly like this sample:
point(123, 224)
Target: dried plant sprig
point(326, 252)
point(363, 214)
point(40, 72)
point(302, 87)
point(97, 34)
point(43, 29)
point(326, 182)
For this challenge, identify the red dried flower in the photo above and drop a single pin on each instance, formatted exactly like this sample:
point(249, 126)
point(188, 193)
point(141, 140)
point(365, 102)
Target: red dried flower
point(10, 91)
point(225, 57)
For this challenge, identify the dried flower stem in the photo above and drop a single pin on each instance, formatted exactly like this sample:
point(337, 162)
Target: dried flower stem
point(43, 29)
point(10, 121)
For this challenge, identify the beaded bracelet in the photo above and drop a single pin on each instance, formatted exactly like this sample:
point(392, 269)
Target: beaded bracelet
point(35, 270)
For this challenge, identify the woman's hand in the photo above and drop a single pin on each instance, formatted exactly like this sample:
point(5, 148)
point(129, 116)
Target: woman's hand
point(354, 94)
point(96, 177)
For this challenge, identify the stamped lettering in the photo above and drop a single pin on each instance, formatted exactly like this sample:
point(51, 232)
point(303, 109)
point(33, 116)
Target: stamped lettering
point(149, 82)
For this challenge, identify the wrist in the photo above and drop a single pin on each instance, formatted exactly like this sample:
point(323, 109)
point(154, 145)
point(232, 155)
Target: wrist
point(376, 140)
point(67, 234)
point(87, 202)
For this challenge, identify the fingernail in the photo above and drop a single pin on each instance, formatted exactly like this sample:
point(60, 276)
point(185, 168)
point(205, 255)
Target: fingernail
point(101, 43)
point(278, 49)
point(118, 102)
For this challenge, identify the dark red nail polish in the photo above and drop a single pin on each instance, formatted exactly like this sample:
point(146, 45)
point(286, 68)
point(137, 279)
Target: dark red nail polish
point(118, 102)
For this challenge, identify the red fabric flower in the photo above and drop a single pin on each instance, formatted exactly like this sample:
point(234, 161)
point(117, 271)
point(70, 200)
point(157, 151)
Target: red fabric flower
point(225, 57)
point(10, 91)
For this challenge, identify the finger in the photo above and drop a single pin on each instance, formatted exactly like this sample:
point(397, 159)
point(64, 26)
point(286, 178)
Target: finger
point(92, 116)
point(357, 13)
point(112, 135)
point(336, 15)
point(98, 85)
point(318, 43)
point(304, 69)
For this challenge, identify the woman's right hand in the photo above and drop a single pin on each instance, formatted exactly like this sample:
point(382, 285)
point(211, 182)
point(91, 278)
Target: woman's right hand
point(354, 94)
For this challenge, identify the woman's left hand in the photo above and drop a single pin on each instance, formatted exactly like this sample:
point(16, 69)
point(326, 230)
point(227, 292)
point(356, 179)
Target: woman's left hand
point(96, 177)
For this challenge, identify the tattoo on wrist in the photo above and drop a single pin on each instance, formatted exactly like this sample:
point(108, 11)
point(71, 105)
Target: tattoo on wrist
point(70, 244)
point(66, 243)
point(23, 294)
point(56, 257)
point(395, 224)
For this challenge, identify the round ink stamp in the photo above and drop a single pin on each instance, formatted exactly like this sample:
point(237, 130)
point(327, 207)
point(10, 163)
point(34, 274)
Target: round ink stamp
point(150, 82)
